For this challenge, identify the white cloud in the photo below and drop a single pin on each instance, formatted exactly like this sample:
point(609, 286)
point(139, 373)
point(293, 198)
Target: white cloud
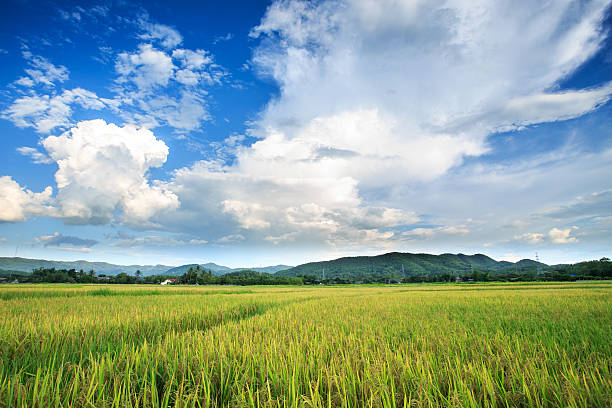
point(380, 98)
point(146, 68)
point(551, 107)
point(75, 15)
point(187, 77)
point(103, 168)
point(530, 237)
point(223, 38)
point(154, 86)
point(25, 81)
point(428, 233)
point(167, 36)
point(42, 72)
point(192, 60)
point(37, 157)
point(259, 198)
point(230, 238)
point(413, 88)
point(102, 174)
point(74, 249)
point(17, 203)
point(47, 112)
point(165, 88)
point(198, 242)
point(562, 236)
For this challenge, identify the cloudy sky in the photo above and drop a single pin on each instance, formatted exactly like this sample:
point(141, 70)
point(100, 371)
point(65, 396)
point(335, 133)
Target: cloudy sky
point(254, 133)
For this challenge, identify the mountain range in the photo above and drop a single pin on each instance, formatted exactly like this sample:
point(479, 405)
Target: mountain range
point(21, 265)
point(397, 264)
point(222, 270)
point(394, 264)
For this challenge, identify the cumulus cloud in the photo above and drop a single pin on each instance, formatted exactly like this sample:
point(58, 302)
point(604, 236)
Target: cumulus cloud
point(335, 140)
point(562, 236)
point(277, 205)
point(17, 203)
point(376, 96)
point(103, 167)
point(413, 88)
point(102, 172)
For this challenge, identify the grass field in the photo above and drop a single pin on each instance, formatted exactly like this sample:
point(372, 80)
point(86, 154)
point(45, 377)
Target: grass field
point(496, 345)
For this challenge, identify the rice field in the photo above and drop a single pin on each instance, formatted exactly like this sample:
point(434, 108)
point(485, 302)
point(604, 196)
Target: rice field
point(490, 345)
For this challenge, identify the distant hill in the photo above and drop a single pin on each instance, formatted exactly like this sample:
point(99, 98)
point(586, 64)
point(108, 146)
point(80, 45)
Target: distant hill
point(267, 269)
point(390, 265)
point(222, 270)
point(28, 265)
point(216, 269)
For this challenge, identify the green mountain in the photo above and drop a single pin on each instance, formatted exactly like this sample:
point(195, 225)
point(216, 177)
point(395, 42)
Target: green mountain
point(219, 270)
point(28, 265)
point(267, 269)
point(25, 265)
point(396, 265)
point(216, 269)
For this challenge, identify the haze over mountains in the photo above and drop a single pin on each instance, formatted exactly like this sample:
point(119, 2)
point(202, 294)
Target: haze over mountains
point(222, 270)
point(16, 264)
point(390, 264)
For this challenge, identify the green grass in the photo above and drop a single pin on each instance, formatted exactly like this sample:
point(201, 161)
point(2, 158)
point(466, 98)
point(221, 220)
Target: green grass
point(480, 345)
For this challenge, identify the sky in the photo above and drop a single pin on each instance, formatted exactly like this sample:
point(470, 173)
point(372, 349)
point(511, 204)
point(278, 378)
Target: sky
point(253, 133)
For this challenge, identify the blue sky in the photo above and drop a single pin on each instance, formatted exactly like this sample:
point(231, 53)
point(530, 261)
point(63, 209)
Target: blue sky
point(254, 133)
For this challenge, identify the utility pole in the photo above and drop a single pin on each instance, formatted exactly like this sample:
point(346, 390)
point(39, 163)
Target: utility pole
point(323, 273)
point(538, 261)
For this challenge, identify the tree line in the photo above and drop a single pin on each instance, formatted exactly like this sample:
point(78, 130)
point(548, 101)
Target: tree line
point(590, 270)
point(192, 277)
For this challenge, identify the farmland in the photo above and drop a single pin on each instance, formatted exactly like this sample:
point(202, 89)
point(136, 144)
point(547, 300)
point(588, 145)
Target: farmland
point(463, 345)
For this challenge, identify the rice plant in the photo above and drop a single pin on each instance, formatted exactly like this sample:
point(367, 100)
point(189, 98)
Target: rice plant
point(490, 345)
